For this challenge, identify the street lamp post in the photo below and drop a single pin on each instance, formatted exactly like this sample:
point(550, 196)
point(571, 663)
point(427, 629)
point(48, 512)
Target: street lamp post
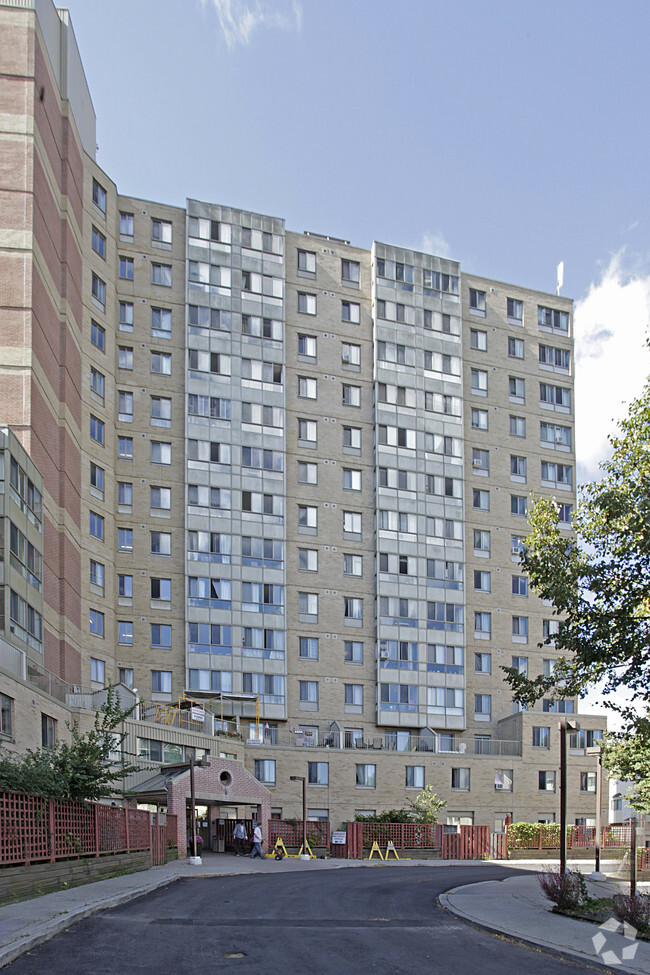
point(596, 750)
point(565, 725)
point(301, 778)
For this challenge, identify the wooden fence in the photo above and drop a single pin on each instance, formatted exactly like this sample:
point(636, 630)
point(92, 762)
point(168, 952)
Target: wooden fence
point(290, 832)
point(35, 829)
point(546, 836)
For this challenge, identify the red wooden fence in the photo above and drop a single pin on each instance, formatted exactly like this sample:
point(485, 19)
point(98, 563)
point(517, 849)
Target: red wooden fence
point(547, 837)
point(291, 832)
point(34, 829)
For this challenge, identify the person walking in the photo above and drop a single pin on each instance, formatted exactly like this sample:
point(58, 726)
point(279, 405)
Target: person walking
point(239, 835)
point(257, 844)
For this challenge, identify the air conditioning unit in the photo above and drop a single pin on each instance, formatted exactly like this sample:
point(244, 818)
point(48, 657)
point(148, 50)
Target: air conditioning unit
point(383, 655)
point(76, 689)
point(476, 463)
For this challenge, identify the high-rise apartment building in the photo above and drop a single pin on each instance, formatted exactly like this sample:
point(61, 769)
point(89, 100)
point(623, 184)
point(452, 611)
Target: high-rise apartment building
point(271, 472)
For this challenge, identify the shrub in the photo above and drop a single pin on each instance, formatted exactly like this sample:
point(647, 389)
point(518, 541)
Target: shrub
point(566, 890)
point(633, 908)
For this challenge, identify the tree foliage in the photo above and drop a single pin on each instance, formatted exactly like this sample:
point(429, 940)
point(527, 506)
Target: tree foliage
point(423, 809)
point(79, 769)
point(626, 756)
point(598, 577)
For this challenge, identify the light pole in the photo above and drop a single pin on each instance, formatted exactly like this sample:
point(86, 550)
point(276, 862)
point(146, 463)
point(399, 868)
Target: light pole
point(596, 750)
point(202, 763)
point(301, 778)
point(565, 725)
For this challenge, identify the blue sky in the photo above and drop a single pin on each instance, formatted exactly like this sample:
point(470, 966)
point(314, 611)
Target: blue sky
point(510, 135)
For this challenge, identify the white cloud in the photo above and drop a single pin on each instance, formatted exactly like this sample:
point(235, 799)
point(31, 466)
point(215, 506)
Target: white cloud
point(612, 360)
point(238, 19)
point(433, 242)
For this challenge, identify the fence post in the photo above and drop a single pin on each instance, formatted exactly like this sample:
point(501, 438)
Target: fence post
point(50, 822)
point(126, 829)
point(96, 825)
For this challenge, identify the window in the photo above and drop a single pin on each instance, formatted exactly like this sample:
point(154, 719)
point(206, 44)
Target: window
point(414, 777)
point(482, 624)
point(306, 387)
point(307, 518)
point(554, 436)
point(307, 346)
point(477, 340)
point(520, 664)
point(503, 779)
point(351, 479)
point(97, 478)
point(125, 676)
point(555, 397)
point(308, 604)
point(308, 432)
point(97, 335)
point(99, 196)
point(515, 310)
point(125, 357)
point(161, 498)
point(98, 290)
point(126, 268)
point(517, 426)
point(515, 348)
point(546, 781)
point(125, 586)
point(308, 647)
point(353, 608)
point(482, 663)
point(553, 358)
point(161, 589)
point(96, 622)
point(557, 475)
point(479, 382)
point(550, 629)
point(353, 565)
point(161, 681)
point(541, 737)
point(161, 363)
point(476, 302)
point(479, 419)
point(519, 586)
point(126, 225)
point(520, 629)
point(48, 731)
point(352, 522)
point(161, 322)
point(350, 354)
point(460, 779)
point(126, 316)
point(308, 692)
point(353, 696)
point(161, 453)
point(125, 407)
point(481, 499)
point(125, 539)
point(264, 771)
point(350, 395)
point(481, 542)
point(350, 271)
point(98, 242)
point(307, 560)
point(307, 473)
point(482, 581)
point(307, 261)
point(97, 430)
point(161, 274)
point(353, 652)
point(125, 632)
point(517, 467)
point(480, 460)
point(161, 411)
point(161, 231)
point(161, 543)
point(518, 505)
point(97, 525)
point(565, 514)
point(125, 493)
point(6, 716)
point(516, 389)
point(306, 303)
point(350, 312)
point(161, 635)
point(352, 438)
point(483, 705)
point(96, 574)
point(553, 319)
point(366, 776)
point(587, 781)
point(125, 448)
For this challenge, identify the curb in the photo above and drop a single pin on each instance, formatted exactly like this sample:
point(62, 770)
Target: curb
point(566, 954)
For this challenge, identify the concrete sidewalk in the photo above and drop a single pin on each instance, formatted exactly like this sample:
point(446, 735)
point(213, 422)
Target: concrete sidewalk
point(514, 906)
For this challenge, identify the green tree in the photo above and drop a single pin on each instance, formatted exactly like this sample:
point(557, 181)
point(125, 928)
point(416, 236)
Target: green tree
point(626, 756)
point(79, 769)
point(426, 806)
point(598, 578)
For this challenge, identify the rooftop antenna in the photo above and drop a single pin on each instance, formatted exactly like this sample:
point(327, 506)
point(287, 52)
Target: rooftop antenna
point(560, 276)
